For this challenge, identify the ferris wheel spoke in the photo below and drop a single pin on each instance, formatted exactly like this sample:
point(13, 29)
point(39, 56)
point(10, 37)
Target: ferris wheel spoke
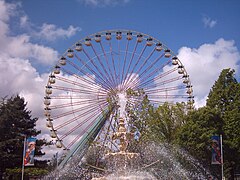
point(136, 81)
point(109, 69)
point(100, 80)
point(77, 90)
point(104, 69)
point(178, 96)
point(74, 111)
point(76, 97)
point(134, 78)
point(119, 66)
point(67, 122)
point(130, 63)
point(162, 83)
point(124, 64)
point(151, 75)
point(167, 89)
point(80, 124)
point(77, 103)
point(87, 84)
point(145, 61)
point(162, 75)
point(140, 56)
point(112, 58)
point(102, 77)
point(85, 79)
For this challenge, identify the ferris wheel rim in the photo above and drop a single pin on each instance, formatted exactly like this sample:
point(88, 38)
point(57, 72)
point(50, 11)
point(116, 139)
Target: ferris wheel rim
point(103, 34)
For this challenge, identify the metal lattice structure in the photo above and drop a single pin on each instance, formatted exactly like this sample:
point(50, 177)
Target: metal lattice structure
point(81, 100)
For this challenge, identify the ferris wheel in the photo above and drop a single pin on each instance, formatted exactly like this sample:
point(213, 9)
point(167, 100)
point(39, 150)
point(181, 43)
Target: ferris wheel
point(84, 87)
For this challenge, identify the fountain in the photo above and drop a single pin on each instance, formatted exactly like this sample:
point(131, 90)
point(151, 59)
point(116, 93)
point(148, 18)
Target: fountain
point(122, 162)
point(151, 162)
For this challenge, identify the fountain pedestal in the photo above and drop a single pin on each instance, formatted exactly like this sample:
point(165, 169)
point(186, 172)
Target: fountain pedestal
point(122, 161)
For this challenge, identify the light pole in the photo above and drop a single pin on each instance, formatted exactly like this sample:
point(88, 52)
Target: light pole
point(24, 149)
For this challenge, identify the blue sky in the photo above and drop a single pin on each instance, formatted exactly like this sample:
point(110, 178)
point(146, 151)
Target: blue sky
point(33, 34)
point(48, 28)
point(177, 23)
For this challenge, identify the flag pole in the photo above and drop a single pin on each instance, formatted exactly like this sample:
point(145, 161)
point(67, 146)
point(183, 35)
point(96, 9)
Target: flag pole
point(24, 149)
point(221, 142)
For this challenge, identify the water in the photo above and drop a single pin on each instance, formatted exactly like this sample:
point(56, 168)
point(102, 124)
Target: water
point(155, 161)
point(131, 176)
point(160, 162)
point(164, 162)
point(122, 101)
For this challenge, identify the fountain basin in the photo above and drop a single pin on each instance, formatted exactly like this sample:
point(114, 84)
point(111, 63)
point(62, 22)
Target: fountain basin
point(121, 161)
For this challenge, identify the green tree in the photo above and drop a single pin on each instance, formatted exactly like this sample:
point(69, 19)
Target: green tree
point(158, 124)
point(223, 94)
point(194, 136)
point(165, 122)
point(15, 123)
point(139, 112)
point(225, 97)
point(219, 116)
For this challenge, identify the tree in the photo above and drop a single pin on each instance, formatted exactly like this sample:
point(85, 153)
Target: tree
point(15, 123)
point(225, 97)
point(221, 115)
point(139, 112)
point(166, 121)
point(194, 136)
point(223, 94)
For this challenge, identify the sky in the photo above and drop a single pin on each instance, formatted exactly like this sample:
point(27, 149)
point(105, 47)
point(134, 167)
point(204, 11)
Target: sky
point(204, 34)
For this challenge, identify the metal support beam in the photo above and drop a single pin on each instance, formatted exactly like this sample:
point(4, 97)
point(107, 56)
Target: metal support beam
point(87, 138)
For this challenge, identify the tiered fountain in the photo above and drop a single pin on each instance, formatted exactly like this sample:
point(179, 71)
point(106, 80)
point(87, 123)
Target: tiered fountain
point(121, 163)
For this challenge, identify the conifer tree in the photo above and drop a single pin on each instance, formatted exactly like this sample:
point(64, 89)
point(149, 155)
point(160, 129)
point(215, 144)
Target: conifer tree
point(16, 122)
point(225, 97)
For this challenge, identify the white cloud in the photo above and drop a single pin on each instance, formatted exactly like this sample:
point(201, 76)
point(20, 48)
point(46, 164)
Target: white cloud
point(208, 22)
point(103, 3)
point(17, 74)
point(48, 32)
point(51, 32)
point(20, 46)
point(17, 56)
point(24, 21)
point(206, 63)
point(6, 10)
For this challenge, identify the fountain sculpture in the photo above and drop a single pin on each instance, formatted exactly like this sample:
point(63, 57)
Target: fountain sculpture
point(120, 162)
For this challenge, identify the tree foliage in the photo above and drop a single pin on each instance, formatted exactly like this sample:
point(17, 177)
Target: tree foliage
point(194, 136)
point(15, 173)
point(221, 115)
point(192, 131)
point(225, 97)
point(156, 124)
point(166, 121)
point(15, 123)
